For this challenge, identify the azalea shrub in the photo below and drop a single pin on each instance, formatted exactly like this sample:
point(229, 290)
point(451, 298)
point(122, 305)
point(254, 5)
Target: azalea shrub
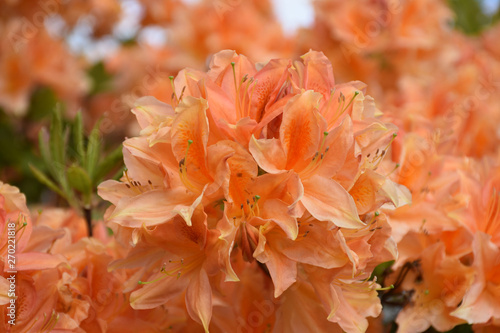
point(188, 166)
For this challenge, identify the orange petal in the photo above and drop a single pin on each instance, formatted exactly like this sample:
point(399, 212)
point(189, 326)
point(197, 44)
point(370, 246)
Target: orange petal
point(318, 73)
point(268, 153)
point(4, 291)
point(320, 248)
point(283, 271)
point(191, 124)
point(326, 200)
point(364, 191)
point(158, 293)
point(199, 299)
point(300, 132)
point(155, 207)
point(38, 261)
point(277, 211)
point(243, 170)
point(303, 312)
point(151, 113)
point(481, 301)
point(339, 142)
point(269, 81)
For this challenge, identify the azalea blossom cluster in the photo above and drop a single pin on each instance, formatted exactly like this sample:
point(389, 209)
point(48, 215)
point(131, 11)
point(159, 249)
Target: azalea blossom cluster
point(25, 62)
point(60, 275)
point(258, 185)
point(257, 195)
point(447, 242)
point(439, 87)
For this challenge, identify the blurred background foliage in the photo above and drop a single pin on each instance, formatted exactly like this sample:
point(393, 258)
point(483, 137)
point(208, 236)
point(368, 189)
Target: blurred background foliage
point(473, 16)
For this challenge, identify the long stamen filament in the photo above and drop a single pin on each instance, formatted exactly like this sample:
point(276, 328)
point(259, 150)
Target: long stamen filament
point(237, 91)
point(356, 93)
point(171, 78)
point(51, 323)
point(379, 157)
point(332, 92)
point(395, 168)
point(178, 270)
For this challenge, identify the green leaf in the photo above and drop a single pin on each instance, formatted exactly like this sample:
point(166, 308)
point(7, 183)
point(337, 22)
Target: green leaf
point(57, 146)
point(42, 102)
point(78, 138)
point(380, 270)
point(79, 179)
point(101, 80)
point(118, 173)
point(42, 178)
point(111, 161)
point(469, 16)
point(43, 144)
point(93, 151)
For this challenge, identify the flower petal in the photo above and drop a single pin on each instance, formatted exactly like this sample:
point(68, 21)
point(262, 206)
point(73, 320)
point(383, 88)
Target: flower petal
point(326, 200)
point(155, 207)
point(199, 299)
point(300, 129)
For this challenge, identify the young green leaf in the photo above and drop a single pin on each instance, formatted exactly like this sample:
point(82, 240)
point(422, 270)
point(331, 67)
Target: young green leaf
point(112, 160)
point(43, 138)
point(93, 151)
point(79, 179)
point(78, 138)
point(42, 178)
point(56, 140)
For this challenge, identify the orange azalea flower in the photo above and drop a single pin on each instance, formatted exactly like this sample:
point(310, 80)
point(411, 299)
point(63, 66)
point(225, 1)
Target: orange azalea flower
point(184, 254)
point(21, 74)
point(217, 26)
point(302, 146)
point(301, 311)
point(347, 302)
point(481, 301)
point(480, 213)
point(439, 285)
point(166, 182)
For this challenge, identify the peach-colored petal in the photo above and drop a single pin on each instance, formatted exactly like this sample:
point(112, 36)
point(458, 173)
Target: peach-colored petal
point(190, 130)
point(43, 238)
point(300, 130)
point(269, 81)
point(482, 300)
point(14, 199)
point(339, 142)
point(283, 271)
point(158, 293)
point(37, 261)
point(315, 74)
point(199, 299)
point(301, 311)
point(268, 153)
point(152, 115)
point(155, 207)
point(326, 200)
point(319, 248)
